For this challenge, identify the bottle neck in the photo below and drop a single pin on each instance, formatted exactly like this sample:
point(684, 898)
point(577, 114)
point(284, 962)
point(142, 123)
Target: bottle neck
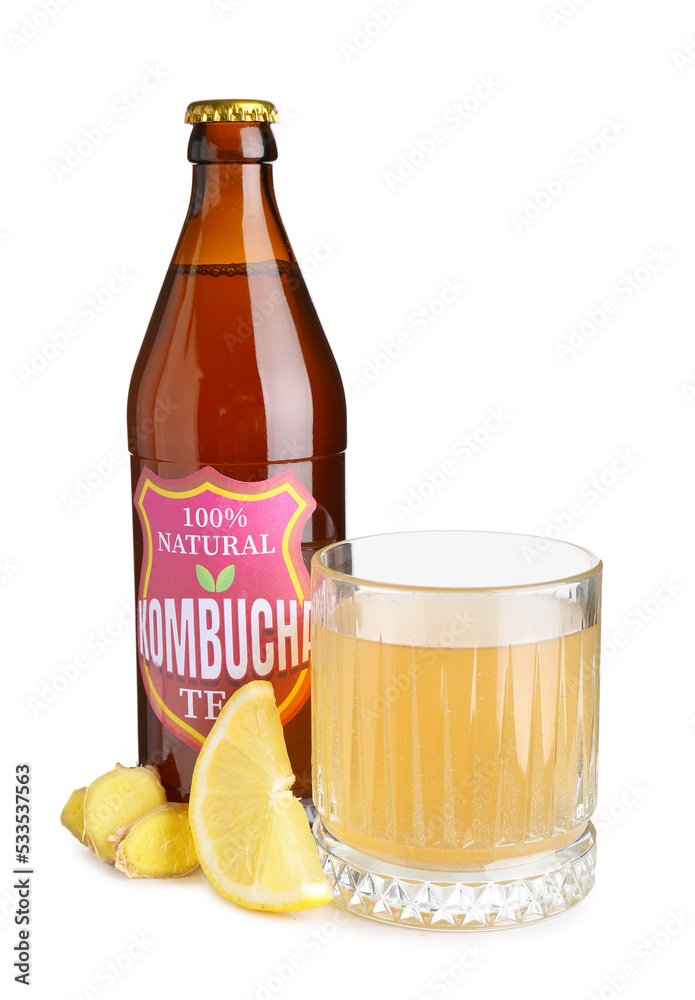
point(233, 215)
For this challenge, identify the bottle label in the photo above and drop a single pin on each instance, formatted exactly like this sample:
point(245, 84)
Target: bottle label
point(224, 595)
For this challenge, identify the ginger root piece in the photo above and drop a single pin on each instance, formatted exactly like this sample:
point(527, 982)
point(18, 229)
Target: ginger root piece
point(158, 845)
point(72, 816)
point(115, 800)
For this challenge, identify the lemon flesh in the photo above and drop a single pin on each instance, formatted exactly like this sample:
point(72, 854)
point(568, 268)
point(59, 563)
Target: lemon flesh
point(251, 834)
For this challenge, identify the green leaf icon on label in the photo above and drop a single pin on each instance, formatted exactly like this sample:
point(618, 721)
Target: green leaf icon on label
point(225, 579)
point(205, 578)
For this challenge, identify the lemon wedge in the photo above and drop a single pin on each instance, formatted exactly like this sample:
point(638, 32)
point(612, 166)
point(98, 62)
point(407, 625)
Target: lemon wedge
point(251, 834)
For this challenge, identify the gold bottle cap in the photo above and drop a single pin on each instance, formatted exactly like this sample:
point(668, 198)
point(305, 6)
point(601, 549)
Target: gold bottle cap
point(230, 111)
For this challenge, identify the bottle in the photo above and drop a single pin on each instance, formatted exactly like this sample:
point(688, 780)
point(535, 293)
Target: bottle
point(237, 430)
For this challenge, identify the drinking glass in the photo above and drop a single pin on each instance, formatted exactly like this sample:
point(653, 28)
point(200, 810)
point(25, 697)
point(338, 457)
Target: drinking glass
point(454, 725)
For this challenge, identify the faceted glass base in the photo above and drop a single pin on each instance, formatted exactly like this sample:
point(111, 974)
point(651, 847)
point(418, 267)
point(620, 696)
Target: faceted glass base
point(497, 897)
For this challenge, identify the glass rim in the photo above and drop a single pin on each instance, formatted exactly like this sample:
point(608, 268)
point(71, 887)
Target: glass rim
point(592, 571)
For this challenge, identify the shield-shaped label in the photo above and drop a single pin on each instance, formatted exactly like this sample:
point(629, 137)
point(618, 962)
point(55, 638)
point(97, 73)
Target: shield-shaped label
point(224, 595)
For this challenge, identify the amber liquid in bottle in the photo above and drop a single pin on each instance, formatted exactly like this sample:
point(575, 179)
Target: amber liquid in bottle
point(235, 373)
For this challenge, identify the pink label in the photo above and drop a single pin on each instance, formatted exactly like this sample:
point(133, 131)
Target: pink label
point(224, 595)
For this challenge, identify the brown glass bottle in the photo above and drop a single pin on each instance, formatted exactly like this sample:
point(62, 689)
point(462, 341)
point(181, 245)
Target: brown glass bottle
point(235, 373)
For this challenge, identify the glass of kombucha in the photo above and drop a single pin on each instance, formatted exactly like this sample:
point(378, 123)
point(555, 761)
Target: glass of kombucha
point(454, 725)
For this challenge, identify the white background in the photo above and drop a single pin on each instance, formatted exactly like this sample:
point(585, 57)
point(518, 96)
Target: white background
point(355, 107)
